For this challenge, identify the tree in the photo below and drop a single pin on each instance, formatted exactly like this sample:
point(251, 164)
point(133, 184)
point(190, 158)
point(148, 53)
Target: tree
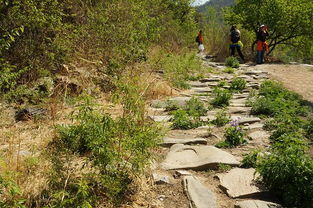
point(286, 19)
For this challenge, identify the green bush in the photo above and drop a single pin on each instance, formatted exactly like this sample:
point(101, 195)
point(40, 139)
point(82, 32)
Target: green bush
point(222, 83)
point(238, 84)
point(221, 97)
point(288, 173)
point(229, 70)
point(118, 148)
point(222, 118)
point(250, 160)
point(195, 107)
point(172, 105)
point(182, 120)
point(232, 62)
point(234, 136)
point(308, 127)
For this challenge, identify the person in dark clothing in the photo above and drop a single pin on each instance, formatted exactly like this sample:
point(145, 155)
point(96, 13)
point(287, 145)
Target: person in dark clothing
point(261, 45)
point(236, 43)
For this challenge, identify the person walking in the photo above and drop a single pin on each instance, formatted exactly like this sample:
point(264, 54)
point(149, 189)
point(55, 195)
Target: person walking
point(236, 44)
point(261, 45)
point(199, 40)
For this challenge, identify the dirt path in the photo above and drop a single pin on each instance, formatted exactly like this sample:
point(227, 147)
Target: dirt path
point(298, 78)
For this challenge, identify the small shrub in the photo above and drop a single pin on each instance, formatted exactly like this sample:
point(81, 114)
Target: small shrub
point(234, 136)
point(229, 70)
point(238, 84)
point(232, 62)
point(250, 160)
point(222, 118)
point(223, 168)
point(195, 107)
point(181, 84)
point(172, 105)
point(221, 97)
point(288, 172)
point(222, 83)
point(182, 120)
point(308, 127)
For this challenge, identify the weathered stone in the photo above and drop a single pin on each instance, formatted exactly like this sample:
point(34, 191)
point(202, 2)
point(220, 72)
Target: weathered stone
point(211, 79)
point(202, 89)
point(197, 84)
point(212, 84)
point(240, 96)
point(161, 118)
point(254, 126)
point(179, 173)
point(248, 120)
point(255, 72)
point(198, 194)
point(237, 104)
point(236, 110)
point(259, 135)
point(167, 142)
point(240, 182)
point(196, 158)
point(256, 204)
point(158, 104)
point(180, 101)
point(161, 178)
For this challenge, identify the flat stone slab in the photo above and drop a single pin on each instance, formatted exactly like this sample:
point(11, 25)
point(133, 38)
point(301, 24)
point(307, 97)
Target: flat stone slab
point(255, 72)
point(259, 135)
point(196, 158)
point(161, 118)
point(240, 182)
point(256, 204)
point(254, 126)
point(180, 101)
point(198, 194)
point(197, 84)
point(211, 79)
point(237, 110)
point(248, 120)
point(167, 142)
point(159, 178)
point(158, 104)
point(237, 104)
point(201, 89)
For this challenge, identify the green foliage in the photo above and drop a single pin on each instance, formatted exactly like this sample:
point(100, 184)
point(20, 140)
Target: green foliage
point(195, 107)
point(222, 83)
point(182, 120)
point(286, 19)
point(234, 136)
point(229, 70)
point(250, 160)
point(118, 148)
point(172, 105)
point(223, 167)
point(273, 100)
point(222, 118)
point(232, 62)
point(221, 97)
point(288, 172)
point(238, 84)
point(308, 127)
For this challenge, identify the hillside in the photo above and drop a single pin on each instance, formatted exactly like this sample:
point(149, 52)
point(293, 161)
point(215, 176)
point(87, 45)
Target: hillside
point(217, 4)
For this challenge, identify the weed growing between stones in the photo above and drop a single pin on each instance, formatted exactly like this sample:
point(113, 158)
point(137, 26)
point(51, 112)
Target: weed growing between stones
point(221, 97)
point(229, 70)
point(222, 118)
point(238, 85)
point(234, 136)
point(222, 83)
point(250, 160)
point(232, 62)
point(189, 116)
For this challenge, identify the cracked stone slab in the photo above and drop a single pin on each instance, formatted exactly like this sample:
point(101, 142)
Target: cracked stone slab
point(259, 135)
point(197, 84)
point(198, 194)
point(201, 89)
point(167, 142)
point(240, 182)
point(248, 120)
point(161, 118)
point(196, 158)
point(254, 126)
point(256, 204)
point(238, 110)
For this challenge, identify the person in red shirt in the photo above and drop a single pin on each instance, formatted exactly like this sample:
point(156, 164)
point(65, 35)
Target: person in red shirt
point(261, 45)
point(199, 40)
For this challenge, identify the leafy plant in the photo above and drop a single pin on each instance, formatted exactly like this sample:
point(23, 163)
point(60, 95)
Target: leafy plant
point(229, 70)
point(232, 62)
point(221, 97)
point(222, 83)
point(234, 136)
point(238, 84)
point(250, 160)
point(182, 120)
point(195, 107)
point(222, 118)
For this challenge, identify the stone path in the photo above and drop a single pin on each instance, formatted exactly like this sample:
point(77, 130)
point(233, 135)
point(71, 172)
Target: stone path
point(195, 165)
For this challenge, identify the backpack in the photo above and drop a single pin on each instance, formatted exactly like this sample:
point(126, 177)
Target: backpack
point(234, 36)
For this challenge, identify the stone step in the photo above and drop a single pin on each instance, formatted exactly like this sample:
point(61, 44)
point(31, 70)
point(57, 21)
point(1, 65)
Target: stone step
point(167, 142)
point(256, 204)
point(198, 194)
point(196, 158)
point(240, 182)
point(161, 118)
point(248, 120)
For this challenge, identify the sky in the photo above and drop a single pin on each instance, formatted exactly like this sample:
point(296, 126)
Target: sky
point(198, 2)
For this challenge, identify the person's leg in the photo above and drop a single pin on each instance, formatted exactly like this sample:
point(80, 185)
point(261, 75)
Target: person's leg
point(262, 56)
point(240, 53)
point(232, 51)
point(258, 57)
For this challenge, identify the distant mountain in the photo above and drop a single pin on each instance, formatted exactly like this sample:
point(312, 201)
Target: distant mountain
point(218, 4)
